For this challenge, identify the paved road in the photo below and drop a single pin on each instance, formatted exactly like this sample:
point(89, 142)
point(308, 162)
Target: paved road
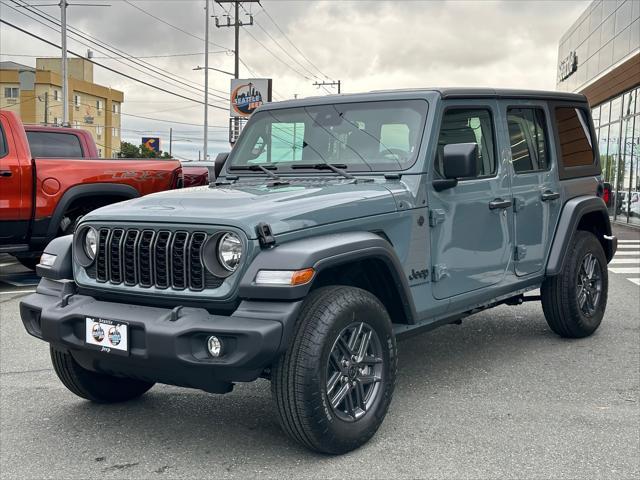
point(498, 396)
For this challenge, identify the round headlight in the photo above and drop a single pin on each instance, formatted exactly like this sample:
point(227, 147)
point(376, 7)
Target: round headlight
point(230, 251)
point(90, 242)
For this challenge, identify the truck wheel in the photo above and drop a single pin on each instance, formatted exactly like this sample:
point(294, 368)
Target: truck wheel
point(574, 301)
point(97, 387)
point(333, 385)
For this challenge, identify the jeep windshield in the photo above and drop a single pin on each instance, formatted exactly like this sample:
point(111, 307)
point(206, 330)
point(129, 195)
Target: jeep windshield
point(360, 137)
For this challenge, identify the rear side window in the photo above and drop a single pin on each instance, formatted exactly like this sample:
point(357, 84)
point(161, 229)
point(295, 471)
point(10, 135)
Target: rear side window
point(576, 147)
point(527, 127)
point(54, 144)
point(468, 126)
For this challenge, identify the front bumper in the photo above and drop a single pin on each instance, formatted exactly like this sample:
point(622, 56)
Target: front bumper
point(164, 346)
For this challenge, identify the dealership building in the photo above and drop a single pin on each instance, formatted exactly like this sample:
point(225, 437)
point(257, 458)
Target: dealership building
point(599, 56)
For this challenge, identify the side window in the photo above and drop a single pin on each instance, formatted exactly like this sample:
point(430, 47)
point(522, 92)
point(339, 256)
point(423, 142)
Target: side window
point(53, 145)
point(3, 143)
point(527, 134)
point(575, 139)
point(468, 126)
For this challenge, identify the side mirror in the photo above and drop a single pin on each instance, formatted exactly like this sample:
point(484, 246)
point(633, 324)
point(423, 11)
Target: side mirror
point(218, 164)
point(460, 161)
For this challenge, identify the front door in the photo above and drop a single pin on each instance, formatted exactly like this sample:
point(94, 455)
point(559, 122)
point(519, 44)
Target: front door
point(535, 190)
point(471, 222)
point(14, 211)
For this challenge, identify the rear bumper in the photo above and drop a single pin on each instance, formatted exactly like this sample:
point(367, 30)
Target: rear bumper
point(163, 348)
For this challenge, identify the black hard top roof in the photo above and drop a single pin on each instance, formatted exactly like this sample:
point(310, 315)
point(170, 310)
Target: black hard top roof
point(445, 93)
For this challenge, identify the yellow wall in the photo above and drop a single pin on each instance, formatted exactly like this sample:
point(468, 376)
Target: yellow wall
point(99, 122)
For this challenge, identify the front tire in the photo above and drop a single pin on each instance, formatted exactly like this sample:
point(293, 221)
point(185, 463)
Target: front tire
point(574, 301)
point(97, 387)
point(333, 386)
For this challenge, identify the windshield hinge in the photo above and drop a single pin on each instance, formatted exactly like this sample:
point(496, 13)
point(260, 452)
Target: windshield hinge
point(436, 217)
point(265, 235)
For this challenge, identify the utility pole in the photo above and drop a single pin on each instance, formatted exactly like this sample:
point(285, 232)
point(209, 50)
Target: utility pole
point(237, 23)
point(206, 81)
point(63, 69)
point(170, 142)
point(46, 108)
point(329, 84)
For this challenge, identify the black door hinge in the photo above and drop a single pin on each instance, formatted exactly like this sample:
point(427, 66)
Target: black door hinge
point(265, 235)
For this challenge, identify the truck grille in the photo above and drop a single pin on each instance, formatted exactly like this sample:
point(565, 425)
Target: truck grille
point(152, 258)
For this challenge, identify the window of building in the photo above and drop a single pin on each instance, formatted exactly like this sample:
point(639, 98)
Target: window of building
point(11, 92)
point(116, 107)
point(100, 152)
point(54, 144)
point(56, 121)
point(575, 139)
point(56, 95)
point(99, 106)
point(527, 127)
point(468, 126)
point(77, 100)
point(115, 132)
point(99, 130)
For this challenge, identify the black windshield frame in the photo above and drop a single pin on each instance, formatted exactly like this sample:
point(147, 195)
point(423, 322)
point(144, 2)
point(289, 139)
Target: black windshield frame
point(323, 133)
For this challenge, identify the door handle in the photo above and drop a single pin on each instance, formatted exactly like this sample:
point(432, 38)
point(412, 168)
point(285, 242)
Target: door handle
point(5, 173)
point(499, 203)
point(549, 195)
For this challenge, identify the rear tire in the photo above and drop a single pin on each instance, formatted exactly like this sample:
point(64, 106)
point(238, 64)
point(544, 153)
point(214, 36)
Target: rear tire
point(333, 386)
point(575, 300)
point(97, 387)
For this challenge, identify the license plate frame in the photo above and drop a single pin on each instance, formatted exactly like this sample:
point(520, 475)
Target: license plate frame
point(105, 335)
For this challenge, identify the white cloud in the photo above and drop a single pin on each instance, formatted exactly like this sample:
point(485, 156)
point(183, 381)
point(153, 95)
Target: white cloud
point(366, 44)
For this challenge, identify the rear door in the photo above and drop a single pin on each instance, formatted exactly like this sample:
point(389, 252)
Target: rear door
point(535, 187)
point(471, 222)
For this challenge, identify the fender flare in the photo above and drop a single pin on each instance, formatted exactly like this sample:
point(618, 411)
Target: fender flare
point(323, 252)
point(567, 226)
point(82, 191)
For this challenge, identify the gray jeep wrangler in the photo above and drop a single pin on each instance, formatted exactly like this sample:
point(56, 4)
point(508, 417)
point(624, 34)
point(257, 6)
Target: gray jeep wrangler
point(335, 226)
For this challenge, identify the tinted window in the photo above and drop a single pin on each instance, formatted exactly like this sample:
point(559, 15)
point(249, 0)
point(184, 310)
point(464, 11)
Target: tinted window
point(363, 136)
point(527, 127)
point(3, 143)
point(54, 144)
point(575, 140)
point(468, 126)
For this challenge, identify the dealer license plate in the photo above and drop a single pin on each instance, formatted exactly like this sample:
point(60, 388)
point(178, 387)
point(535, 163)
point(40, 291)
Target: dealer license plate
point(106, 335)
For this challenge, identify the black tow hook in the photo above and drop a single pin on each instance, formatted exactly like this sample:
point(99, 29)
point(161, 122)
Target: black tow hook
point(175, 313)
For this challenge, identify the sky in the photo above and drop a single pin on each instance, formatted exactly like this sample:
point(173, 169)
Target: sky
point(368, 45)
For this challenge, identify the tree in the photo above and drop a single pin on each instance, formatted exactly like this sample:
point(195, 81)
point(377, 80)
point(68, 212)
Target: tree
point(129, 150)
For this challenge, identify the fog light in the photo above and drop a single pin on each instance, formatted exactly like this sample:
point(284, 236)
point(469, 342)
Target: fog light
point(214, 345)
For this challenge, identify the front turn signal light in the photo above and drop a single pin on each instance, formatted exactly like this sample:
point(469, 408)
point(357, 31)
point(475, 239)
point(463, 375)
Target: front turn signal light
point(291, 278)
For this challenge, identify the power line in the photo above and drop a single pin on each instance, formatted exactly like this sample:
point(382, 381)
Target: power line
point(109, 68)
point(170, 55)
point(145, 66)
point(291, 43)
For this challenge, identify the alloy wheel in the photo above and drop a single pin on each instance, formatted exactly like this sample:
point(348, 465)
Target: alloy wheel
point(589, 286)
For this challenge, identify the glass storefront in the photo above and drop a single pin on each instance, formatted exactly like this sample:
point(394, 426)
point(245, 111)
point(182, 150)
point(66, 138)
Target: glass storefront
point(617, 123)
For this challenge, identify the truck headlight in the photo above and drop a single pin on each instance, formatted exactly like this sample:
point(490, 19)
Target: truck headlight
point(90, 242)
point(230, 251)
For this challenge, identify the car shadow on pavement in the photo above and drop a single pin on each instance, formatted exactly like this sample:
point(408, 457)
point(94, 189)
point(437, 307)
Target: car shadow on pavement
point(243, 423)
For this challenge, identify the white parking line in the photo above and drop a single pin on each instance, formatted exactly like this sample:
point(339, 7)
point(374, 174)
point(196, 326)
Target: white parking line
point(628, 246)
point(629, 241)
point(634, 280)
point(627, 252)
point(8, 264)
point(625, 270)
point(634, 261)
point(13, 292)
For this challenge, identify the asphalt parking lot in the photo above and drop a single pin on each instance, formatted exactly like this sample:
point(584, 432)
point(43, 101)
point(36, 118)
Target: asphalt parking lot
point(498, 396)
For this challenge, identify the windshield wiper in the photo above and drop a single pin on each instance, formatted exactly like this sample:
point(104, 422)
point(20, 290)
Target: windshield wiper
point(334, 167)
point(260, 168)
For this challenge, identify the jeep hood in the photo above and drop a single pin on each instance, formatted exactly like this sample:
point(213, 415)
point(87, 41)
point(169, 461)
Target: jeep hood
point(243, 205)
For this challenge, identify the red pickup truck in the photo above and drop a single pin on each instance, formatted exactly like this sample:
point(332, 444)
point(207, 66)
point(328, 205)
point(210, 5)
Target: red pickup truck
point(42, 197)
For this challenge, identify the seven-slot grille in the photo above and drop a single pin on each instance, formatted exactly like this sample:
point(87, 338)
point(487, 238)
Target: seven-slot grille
point(152, 258)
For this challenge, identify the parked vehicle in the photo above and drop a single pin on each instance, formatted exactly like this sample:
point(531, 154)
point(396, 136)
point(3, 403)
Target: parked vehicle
point(196, 173)
point(43, 197)
point(337, 224)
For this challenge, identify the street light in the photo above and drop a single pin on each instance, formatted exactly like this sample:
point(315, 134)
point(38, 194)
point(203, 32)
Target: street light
point(216, 69)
